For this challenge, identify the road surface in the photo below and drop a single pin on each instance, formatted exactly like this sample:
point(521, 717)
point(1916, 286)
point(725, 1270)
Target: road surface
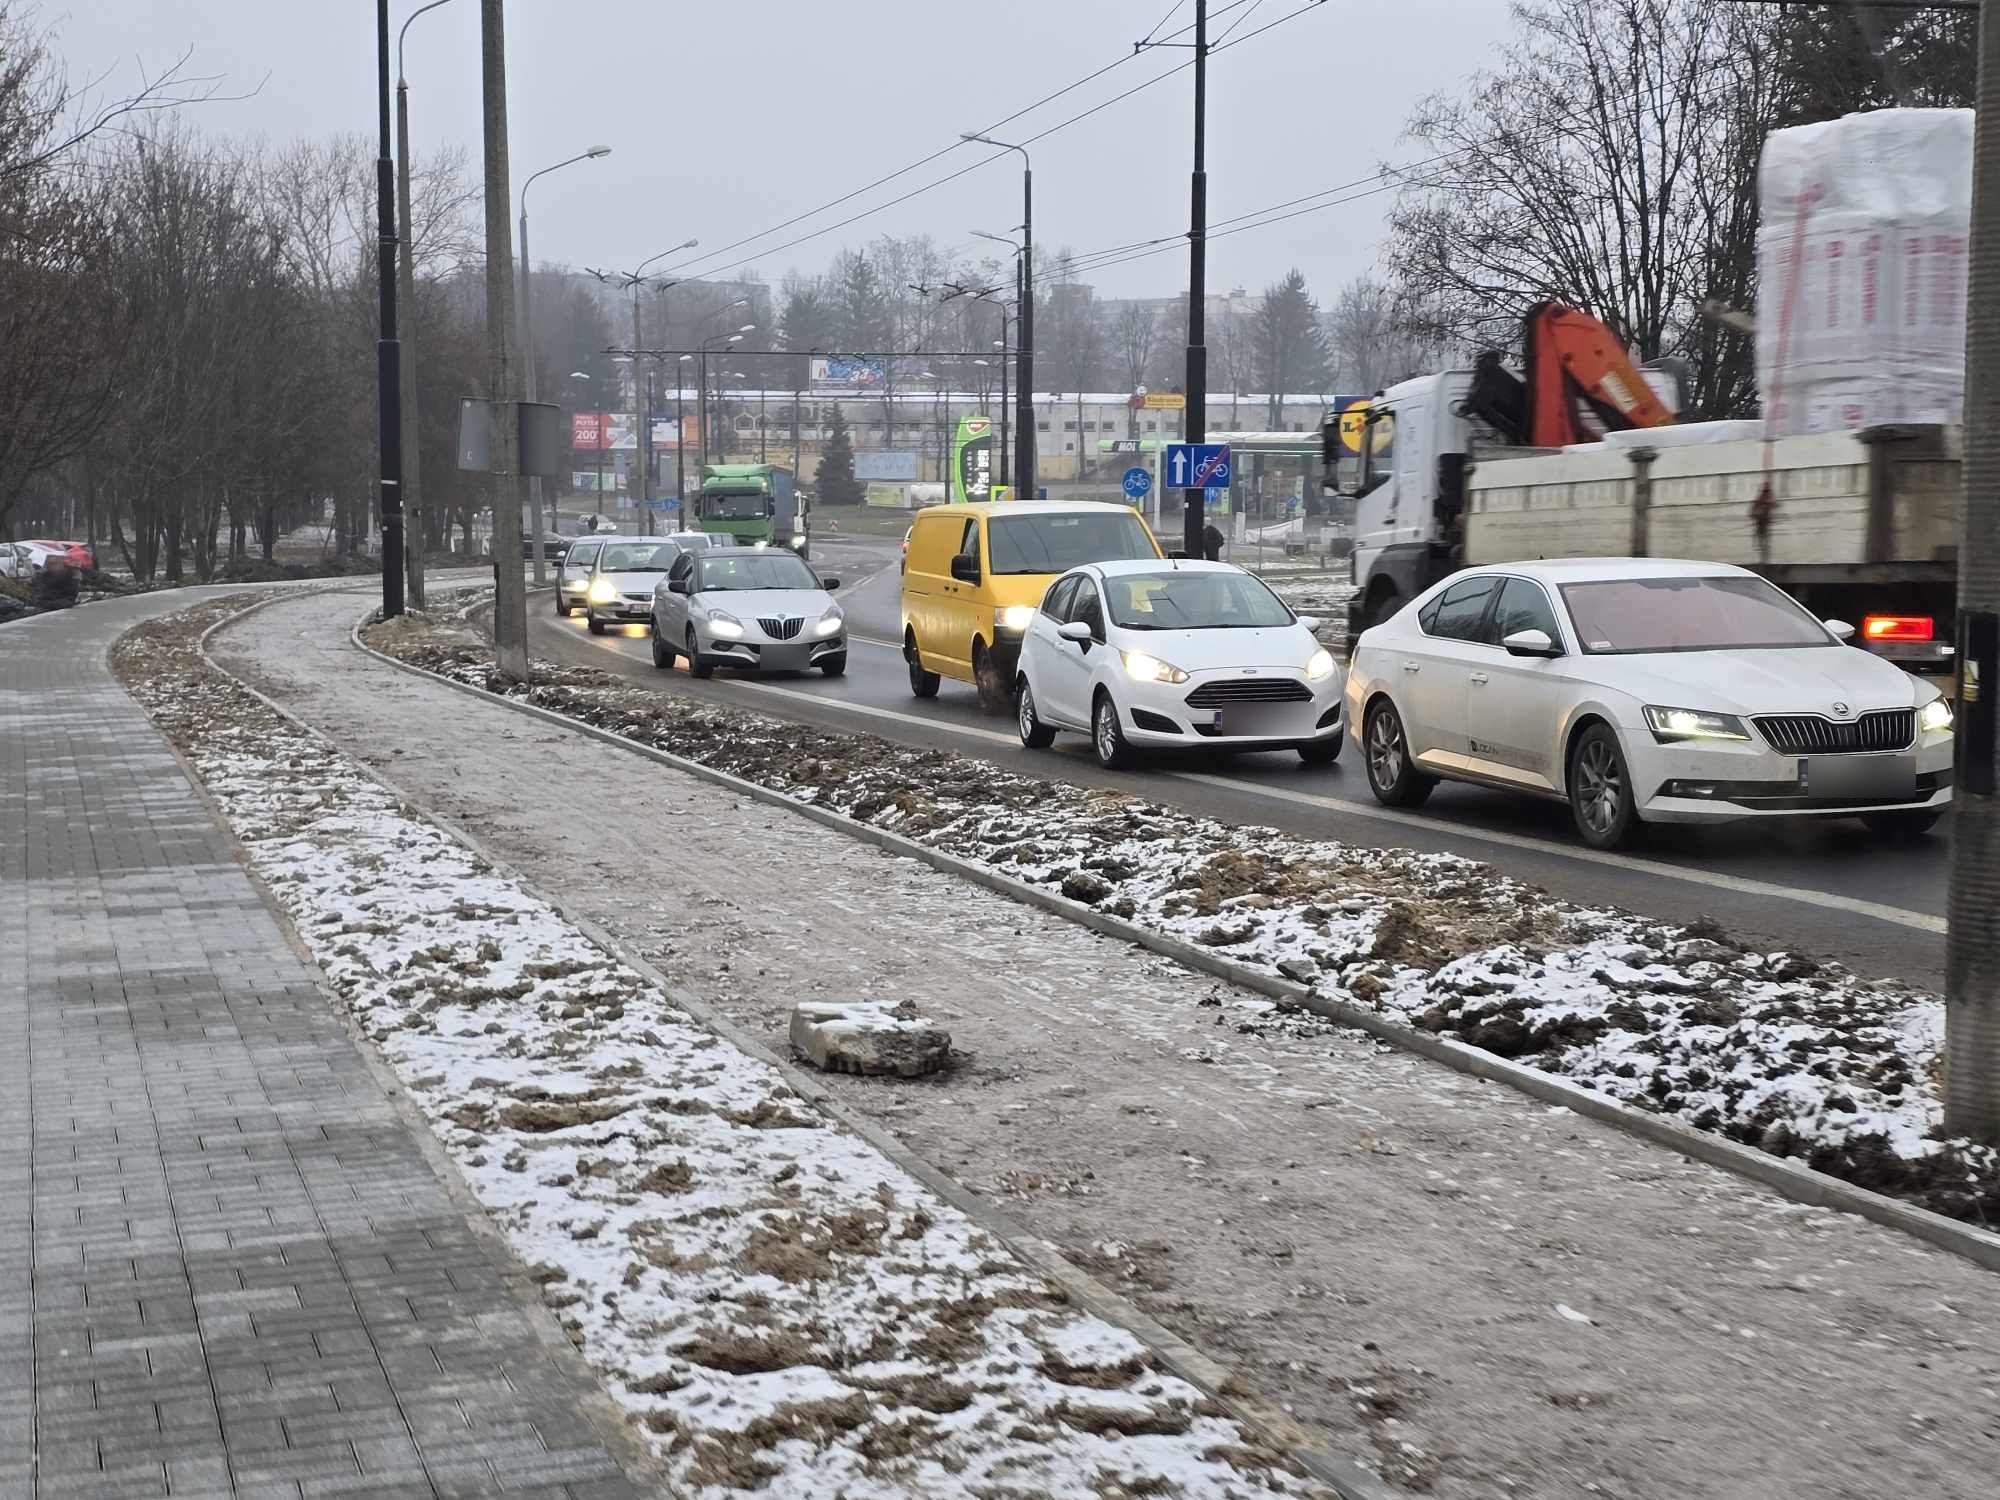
point(1829, 889)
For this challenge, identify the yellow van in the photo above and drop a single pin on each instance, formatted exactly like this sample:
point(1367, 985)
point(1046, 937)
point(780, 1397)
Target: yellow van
point(976, 572)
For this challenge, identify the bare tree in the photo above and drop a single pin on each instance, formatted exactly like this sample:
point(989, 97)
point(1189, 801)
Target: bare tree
point(1369, 343)
point(1132, 341)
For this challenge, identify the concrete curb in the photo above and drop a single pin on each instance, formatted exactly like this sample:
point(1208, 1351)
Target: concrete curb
point(1787, 1178)
point(1345, 1478)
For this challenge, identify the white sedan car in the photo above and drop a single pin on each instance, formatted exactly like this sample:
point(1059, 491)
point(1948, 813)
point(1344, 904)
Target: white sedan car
point(759, 608)
point(1184, 654)
point(1645, 691)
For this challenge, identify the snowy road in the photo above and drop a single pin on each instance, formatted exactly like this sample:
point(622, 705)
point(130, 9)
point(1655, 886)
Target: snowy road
point(1827, 889)
point(1486, 1293)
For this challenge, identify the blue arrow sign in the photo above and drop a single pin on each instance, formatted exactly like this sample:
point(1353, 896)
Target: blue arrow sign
point(1137, 483)
point(1198, 466)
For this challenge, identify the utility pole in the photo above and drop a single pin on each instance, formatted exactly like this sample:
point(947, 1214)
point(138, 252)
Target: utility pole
point(406, 287)
point(388, 353)
point(642, 426)
point(1194, 425)
point(1972, 942)
point(510, 604)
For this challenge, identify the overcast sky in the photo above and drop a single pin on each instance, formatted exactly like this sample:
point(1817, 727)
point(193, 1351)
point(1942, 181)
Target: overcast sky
point(727, 118)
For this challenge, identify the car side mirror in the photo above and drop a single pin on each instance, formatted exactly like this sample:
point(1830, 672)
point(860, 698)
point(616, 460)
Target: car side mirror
point(1531, 643)
point(965, 568)
point(1840, 630)
point(677, 586)
point(829, 584)
point(1074, 630)
point(1311, 622)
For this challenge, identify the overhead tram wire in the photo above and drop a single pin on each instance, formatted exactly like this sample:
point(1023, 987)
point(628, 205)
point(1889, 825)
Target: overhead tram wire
point(687, 268)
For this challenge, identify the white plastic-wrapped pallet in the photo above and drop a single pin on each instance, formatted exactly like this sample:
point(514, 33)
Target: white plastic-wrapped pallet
point(1861, 261)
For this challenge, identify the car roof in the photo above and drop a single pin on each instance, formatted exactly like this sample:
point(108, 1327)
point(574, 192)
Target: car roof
point(765, 550)
point(1116, 567)
point(1026, 507)
point(1607, 569)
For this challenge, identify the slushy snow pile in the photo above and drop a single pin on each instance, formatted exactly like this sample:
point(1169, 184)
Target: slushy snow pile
point(1800, 1058)
point(777, 1305)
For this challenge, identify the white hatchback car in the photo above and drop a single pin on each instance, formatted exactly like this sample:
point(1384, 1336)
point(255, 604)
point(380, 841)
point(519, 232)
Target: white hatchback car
point(1645, 691)
point(1194, 655)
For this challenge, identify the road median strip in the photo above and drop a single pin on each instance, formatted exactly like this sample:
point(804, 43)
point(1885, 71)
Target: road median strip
point(1795, 1074)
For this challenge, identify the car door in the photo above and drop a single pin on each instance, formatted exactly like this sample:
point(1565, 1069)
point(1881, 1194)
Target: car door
point(959, 605)
point(1073, 662)
point(1042, 652)
point(1436, 665)
point(1514, 703)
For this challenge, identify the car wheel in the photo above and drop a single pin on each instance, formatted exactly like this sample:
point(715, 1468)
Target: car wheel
point(663, 654)
point(1321, 752)
point(834, 666)
point(697, 667)
point(986, 676)
point(1034, 733)
point(1902, 827)
point(1600, 789)
point(596, 626)
point(922, 684)
point(1107, 735)
point(562, 606)
point(1392, 774)
point(1383, 606)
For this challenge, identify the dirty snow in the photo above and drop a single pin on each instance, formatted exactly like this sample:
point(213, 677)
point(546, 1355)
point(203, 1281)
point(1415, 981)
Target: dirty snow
point(776, 1304)
point(1800, 1058)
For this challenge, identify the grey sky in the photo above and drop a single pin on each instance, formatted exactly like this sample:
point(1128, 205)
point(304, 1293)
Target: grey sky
point(727, 118)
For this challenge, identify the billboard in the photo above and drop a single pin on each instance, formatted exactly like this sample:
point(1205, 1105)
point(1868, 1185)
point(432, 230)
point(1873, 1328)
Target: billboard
point(848, 373)
point(620, 428)
point(972, 460)
point(885, 463)
point(586, 429)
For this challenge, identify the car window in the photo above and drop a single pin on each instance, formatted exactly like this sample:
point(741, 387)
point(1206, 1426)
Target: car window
point(1457, 613)
point(1056, 602)
point(968, 542)
point(634, 557)
point(582, 555)
point(721, 572)
point(1051, 542)
point(1522, 606)
point(1089, 608)
point(683, 565)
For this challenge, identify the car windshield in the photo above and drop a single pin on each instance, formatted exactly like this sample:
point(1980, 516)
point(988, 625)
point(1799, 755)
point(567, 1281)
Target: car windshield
point(1192, 601)
point(761, 570)
point(735, 505)
point(1055, 542)
point(1623, 616)
point(636, 557)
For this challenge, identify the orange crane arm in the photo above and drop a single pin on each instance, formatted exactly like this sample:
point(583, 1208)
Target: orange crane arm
point(1580, 382)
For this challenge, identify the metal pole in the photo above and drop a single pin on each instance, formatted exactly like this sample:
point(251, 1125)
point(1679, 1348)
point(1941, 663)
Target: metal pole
point(388, 352)
point(762, 456)
point(1972, 941)
point(701, 405)
point(681, 449)
point(510, 605)
point(1024, 397)
point(528, 380)
point(406, 275)
point(1006, 408)
point(1195, 418)
point(642, 428)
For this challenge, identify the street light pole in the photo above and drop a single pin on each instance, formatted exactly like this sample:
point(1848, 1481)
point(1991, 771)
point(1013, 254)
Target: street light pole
point(388, 352)
point(1194, 424)
point(510, 603)
point(1024, 396)
point(528, 335)
point(406, 292)
point(681, 441)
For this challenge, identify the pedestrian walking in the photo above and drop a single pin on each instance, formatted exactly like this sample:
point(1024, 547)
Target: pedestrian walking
point(1211, 542)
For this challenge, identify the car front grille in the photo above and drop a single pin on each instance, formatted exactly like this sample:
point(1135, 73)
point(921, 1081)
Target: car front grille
point(1810, 734)
point(781, 629)
point(1249, 690)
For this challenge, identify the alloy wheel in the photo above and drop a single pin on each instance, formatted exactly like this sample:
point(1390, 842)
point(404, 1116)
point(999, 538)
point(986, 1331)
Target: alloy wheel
point(1600, 786)
point(1385, 749)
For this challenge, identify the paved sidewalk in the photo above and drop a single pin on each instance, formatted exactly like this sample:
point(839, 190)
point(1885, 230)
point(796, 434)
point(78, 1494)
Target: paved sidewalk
point(226, 1268)
point(1495, 1296)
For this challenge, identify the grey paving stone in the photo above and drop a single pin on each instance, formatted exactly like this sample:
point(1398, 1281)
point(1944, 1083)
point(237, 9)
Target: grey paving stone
point(225, 1266)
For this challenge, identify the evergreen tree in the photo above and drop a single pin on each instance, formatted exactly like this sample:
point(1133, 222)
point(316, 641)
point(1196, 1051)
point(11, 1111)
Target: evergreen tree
point(833, 481)
point(1290, 347)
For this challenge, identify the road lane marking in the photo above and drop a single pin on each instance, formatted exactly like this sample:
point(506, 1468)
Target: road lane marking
point(1437, 828)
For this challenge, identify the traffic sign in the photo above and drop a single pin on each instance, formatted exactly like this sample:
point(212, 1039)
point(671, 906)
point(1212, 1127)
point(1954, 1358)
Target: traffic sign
point(1165, 401)
point(1137, 483)
point(1198, 466)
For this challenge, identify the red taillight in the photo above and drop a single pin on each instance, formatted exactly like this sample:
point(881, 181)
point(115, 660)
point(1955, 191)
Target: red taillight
point(1897, 628)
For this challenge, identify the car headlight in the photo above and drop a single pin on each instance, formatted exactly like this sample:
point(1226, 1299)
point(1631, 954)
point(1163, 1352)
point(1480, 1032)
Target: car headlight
point(725, 626)
point(799, 542)
point(1935, 717)
point(830, 623)
point(1150, 668)
point(1319, 666)
point(602, 591)
point(1671, 724)
point(1015, 617)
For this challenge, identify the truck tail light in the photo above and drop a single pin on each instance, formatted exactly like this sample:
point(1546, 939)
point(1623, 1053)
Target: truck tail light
point(1897, 628)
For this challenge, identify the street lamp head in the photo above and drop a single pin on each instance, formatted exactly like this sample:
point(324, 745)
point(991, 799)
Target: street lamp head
point(747, 328)
point(687, 244)
point(597, 151)
point(685, 358)
point(578, 375)
point(735, 338)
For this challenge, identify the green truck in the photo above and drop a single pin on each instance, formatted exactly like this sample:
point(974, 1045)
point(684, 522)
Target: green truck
point(752, 503)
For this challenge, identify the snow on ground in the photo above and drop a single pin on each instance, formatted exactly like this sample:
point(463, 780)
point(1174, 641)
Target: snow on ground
point(775, 1303)
point(1800, 1058)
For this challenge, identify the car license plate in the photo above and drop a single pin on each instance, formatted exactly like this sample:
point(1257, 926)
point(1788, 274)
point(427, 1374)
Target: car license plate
point(1250, 719)
point(1883, 776)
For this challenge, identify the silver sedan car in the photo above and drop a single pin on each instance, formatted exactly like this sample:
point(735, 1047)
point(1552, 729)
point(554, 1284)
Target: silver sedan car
point(759, 608)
